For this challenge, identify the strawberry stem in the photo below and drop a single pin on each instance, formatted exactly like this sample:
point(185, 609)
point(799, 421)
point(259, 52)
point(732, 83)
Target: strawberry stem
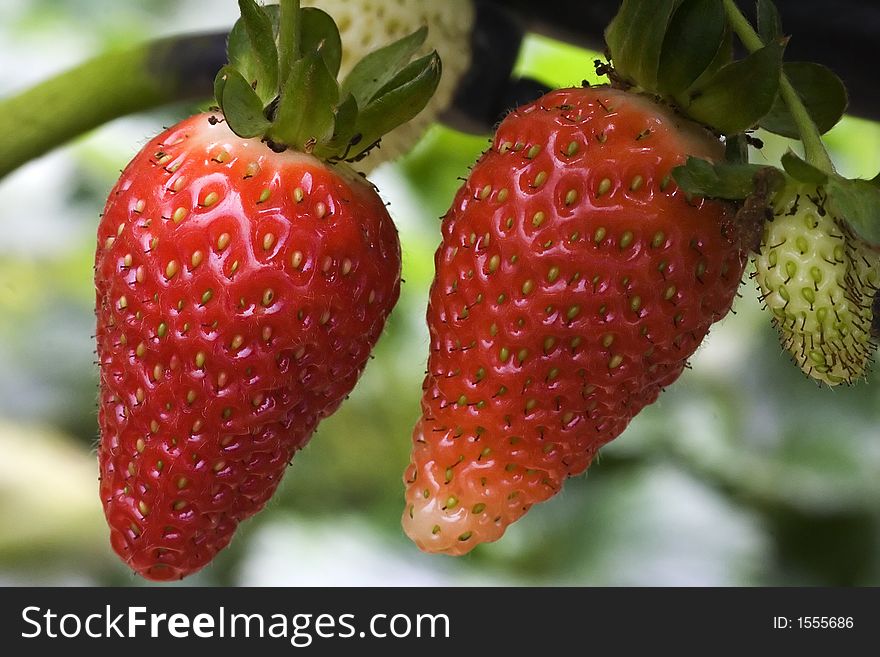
point(289, 38)
point(41, 118)
point(814, 149)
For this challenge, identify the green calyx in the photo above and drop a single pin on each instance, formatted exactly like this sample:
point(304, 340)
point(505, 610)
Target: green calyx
point(281, 83)
point(682, 51)
point(855, 201)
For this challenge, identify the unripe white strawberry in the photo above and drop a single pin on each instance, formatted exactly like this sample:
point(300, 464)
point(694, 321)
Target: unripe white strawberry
point(819, 281)
point(367, 24)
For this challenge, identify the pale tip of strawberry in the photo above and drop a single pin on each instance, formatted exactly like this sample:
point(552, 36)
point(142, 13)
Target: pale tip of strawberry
point(434, 528)
point(435, 519)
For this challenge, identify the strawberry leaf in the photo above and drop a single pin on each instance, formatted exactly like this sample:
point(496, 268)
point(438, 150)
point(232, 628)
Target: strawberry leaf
point(822, 92)
point(858, 203)
point(727, 181)
point(695, 35)
point(719, 101)
point(240, 104)
point(288, 31)
point(375, 70)
point(238, 50)
point(317, 29)
point(855, 201)
point(305, 114)
point(801, 170)
point(398, 101)
point(722, 58)
point(260, 54)
point(319, 32)
point(303, 110)
point(635, 39)
point(220, 83)
point(769, 25)
point(344, 135)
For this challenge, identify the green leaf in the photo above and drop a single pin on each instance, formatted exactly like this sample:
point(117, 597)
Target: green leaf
point(822, 92)
point(722, 58)
point(398, 101)
point(695, 35)
point(801, 170)
point(727, 181)
point(240, 104)
point(317, 27)
point(769, 25)
point(408, 73)
point(344, 131)
point(239, 53)
point(238, 44)
point(305, 113)
point(376, 69)
point(272, 12)
point(262, 56)
point(319, 33)
point(858, 203)
point(288, 34)
point(740, 93)
point(220, 83)
point(635, 39)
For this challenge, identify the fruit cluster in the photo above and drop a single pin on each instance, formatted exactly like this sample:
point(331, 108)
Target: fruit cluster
point(245, 270)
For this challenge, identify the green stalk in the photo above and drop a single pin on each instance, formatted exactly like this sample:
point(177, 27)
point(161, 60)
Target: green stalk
point(814, 149)
point(289, 38)
point(111, 85)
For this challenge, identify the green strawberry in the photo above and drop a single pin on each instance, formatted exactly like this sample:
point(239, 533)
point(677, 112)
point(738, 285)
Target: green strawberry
point(819, 280)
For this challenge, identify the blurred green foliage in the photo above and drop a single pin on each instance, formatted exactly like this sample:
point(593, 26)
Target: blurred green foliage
point(744, 473)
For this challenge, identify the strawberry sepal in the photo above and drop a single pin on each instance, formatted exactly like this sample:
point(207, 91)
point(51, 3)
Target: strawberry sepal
point(858, 201)
point(281, 83)
point(822, 92)
point(717, 102)
point(732, 182)
point(854, 201)
point(240, 104)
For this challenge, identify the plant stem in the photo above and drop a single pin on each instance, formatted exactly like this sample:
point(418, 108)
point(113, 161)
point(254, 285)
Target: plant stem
point(814, 149)
point(104, 88)
point(289, 38)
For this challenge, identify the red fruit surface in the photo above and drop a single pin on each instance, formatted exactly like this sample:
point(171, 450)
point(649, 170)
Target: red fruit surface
point(239, 293)
point(573, 282)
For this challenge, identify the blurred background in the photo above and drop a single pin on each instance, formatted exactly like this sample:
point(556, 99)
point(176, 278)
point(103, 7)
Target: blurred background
point(744, 473)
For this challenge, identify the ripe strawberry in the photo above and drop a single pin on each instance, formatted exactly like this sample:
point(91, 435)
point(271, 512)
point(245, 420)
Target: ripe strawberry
point(241, 284)
point(819, 281)
point(573, 282)
point(239, 294)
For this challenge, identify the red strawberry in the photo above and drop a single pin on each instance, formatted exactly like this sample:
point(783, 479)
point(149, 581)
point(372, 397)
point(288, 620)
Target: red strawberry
point(240, 289)
point(239, 294)
point(573, 283)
